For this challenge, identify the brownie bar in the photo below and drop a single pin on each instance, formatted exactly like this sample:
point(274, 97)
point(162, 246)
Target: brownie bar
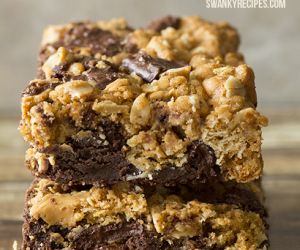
point(173, 100)
point(91, 163)
point(127, 216)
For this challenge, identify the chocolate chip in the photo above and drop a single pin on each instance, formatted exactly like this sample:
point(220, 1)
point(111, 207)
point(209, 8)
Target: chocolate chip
point(37, 87)
point(165, 22)
point(148, 67)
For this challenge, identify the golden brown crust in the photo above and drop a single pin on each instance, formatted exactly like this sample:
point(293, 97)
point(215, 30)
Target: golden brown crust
point(96, 205)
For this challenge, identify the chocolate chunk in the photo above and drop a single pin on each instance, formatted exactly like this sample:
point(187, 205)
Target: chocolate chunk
point(202, 157)
point(165, 22)
point(148, 67)
point(38, 86)
point(96, 39)
point(103, 76)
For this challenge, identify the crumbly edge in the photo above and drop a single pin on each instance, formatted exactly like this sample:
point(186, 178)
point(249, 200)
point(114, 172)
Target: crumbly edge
point(168, 216)
point(160, 118)
point(193, 35)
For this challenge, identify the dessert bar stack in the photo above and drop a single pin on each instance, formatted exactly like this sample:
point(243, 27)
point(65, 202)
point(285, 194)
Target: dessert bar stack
point(143, 138)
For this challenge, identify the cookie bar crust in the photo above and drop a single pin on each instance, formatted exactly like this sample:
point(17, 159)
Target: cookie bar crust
point(170, 38)
point(163, 89)
point(128, 217)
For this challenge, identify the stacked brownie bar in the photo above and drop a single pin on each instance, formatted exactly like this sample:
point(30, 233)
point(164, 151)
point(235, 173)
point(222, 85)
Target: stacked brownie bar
point(143, 139)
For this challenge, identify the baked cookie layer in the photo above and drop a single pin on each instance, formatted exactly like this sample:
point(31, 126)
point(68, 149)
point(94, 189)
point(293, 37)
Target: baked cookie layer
point(173, 99)
point(127, 216)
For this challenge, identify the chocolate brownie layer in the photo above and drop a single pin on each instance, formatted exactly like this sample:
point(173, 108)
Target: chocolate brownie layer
point(136, 217)
point(175, 94)
point(87, 160)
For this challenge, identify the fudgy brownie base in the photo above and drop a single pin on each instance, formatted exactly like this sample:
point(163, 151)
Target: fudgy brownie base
point(125, 236)
point(139, 217)
point(88, 162)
